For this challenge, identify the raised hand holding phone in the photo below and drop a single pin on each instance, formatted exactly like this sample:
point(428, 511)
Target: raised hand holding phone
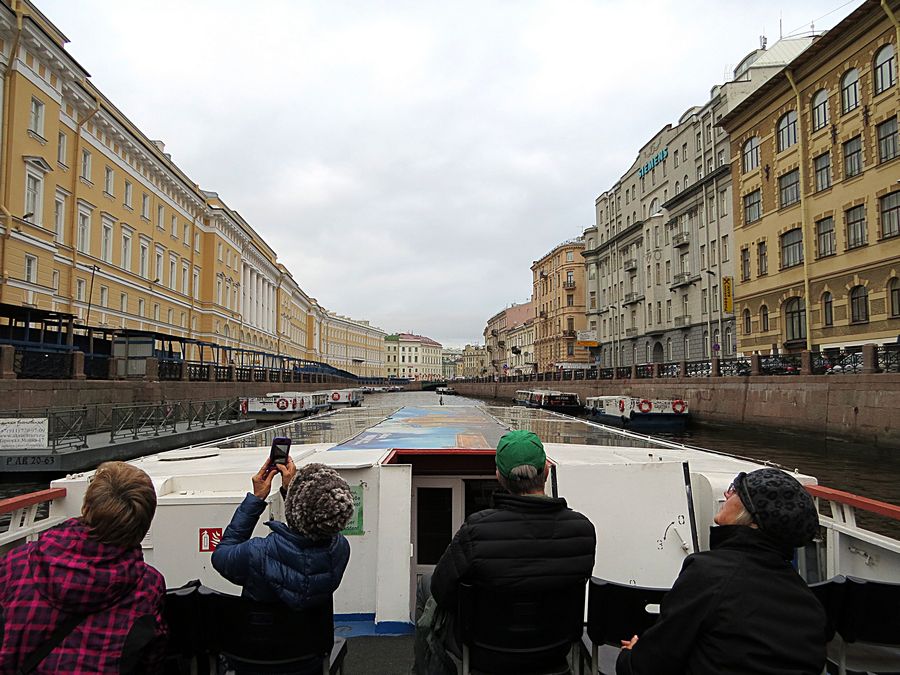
point(262, 481)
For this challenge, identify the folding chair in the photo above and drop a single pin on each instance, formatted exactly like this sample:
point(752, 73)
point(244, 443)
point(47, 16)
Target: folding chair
point(868, 628)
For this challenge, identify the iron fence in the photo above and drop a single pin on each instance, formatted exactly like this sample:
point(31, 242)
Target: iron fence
point(96, 366)
point(734, 367)
point(644, 371)
point(623, 373)
point(169, 369)
point(669, 369)
point(698, 368)
point(781, 364)
point(889, 359)
point(34, 364)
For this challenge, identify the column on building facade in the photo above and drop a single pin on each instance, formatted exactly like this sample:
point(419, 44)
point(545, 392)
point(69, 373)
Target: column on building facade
point(251, 298)
point(245, 284)
point(258, 305)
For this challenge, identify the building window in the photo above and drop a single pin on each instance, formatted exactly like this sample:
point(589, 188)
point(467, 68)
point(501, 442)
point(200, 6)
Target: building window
point(787, 130)
point(890, 215)
point(859, 304)
point(123, 302)
point(34, 197)
point(161, 217)
point(79, 289)
point(36, 117)
point(789, 188)
point(822, 165)
point(850, 90)
point(825, 240)
point(570, 256)
point(106, 236)
point(59, 217)
point(887, 140)
point(104, 296)
point(745, 264)
point(764, 318)
point(853, 157)
point(61, 148)
point(172, 275)
point(145, 206)
point(752, 206)
point(725, 248)
point(762, 258)
point(856, 226)
point(126, 251)
point(570, 300)
point(109, 181)
point(143, 259)
point(31, 263)
point(792, 248)
point(141, 305)
point(827, 309)
point(795, 319)
point(83, 240)
point(747, 326)
point(86, 165)
point(820, 109)
point(750, 154)
point(885, 69)
point(894, 296)
point(128, 192)
point(175, 226)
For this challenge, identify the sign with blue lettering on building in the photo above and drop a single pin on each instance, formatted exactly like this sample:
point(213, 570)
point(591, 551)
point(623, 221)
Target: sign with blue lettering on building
point(656, 159)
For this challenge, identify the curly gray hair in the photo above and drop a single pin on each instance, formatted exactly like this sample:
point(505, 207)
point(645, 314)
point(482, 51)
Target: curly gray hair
point(319, 503)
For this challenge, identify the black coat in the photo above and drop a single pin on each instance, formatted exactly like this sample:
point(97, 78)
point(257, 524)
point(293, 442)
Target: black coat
point(738, 609)
point(530, 542)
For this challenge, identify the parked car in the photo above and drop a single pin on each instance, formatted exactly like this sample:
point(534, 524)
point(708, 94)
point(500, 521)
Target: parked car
point(851, 363)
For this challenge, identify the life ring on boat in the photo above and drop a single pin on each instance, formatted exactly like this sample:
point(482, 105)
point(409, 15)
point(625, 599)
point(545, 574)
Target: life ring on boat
point(645, 405)
point(243, 406)
point(335, 396)
point(678, 406)
point(282, 404)
point(301, 403)
point(621, 405)
point(294, 404)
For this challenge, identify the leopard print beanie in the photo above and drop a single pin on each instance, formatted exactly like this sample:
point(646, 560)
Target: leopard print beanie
point(319, 503)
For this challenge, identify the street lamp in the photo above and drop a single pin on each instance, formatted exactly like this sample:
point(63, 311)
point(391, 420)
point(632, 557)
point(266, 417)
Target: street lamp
point(93, 269)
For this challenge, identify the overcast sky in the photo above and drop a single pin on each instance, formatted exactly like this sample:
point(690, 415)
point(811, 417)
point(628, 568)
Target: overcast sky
point(409, 160)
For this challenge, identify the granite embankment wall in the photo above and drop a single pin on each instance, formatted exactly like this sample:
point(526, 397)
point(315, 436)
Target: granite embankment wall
point(857, 407)
point(20, 394)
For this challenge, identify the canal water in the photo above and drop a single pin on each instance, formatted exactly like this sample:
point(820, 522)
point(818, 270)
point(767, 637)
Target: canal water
point(863, 470)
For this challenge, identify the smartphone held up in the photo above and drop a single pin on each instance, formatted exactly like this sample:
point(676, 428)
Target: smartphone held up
point(281, 446)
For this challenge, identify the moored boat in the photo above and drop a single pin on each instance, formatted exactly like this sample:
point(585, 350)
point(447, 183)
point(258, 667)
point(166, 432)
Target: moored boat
point(284, 406)
point(522, 397)
point(555, 401)
point(642, 414)
point(445, 391)
point(351, 397)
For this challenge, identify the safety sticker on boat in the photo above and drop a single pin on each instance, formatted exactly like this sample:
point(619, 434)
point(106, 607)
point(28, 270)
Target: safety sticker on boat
point(210, 538)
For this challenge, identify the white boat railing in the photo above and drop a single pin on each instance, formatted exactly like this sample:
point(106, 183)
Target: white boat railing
point(26, 518)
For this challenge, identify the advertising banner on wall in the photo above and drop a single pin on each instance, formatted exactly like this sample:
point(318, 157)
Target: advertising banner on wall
point(587, 338)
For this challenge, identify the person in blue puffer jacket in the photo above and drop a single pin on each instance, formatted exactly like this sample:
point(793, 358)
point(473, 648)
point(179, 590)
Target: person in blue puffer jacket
point(300, 563)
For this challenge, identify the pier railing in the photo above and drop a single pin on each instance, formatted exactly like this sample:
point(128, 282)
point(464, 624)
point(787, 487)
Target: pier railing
point(70, 427)
point(865, 359)
point(22, 518)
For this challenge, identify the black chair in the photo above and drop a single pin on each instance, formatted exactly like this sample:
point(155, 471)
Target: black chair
point(525, 632)
point(180, 610)
point(868, 628)
point(616, 612)
point(257, 637)
point(830, 593)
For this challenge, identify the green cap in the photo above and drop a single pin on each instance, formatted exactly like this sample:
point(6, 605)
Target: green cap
point(518, 448)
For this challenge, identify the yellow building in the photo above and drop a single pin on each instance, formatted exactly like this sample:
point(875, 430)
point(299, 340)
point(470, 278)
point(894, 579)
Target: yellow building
point(475, 361)
point(411, 356)
point(96, 220)
point(558, 300)
point(816, 194)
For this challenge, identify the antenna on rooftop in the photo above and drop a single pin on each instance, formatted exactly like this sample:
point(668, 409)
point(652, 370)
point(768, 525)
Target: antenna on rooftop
point(779, 26)
point(762, 41)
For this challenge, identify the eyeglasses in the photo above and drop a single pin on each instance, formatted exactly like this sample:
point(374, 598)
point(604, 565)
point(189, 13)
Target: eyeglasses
point(737, 485)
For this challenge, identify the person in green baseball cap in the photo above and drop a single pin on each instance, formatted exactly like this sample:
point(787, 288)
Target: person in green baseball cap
point(522, 466)
point(528, 541)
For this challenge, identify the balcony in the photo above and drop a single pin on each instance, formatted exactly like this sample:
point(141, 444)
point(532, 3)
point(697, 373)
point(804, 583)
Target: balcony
point(568, 284)
point(681, 279)
point(542, 314)
point(501, 343)
point(681, 239)
point(631, 298)
point(683, 321)
point(630, 264)
point(631, 332)
point(569, 334)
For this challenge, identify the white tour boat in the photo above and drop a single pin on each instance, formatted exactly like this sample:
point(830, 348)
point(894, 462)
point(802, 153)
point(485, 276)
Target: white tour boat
point(341, 397)
point(639, 414)
point(282, 406)
point(416, 472)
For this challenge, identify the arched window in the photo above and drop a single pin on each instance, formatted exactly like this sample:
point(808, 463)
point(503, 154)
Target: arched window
point(795, 319)
point(885, 69)
point(787, 130)
point(850, 90)
point(747, 326)
point(827, 309)
point(894, 296)
point(705, 344)
point(820, 109)
point(728, 342)
point(654, 206)
point(684, 183)
point(750, 154)
point(763, 318)
point(677, 187)
point(859, 304)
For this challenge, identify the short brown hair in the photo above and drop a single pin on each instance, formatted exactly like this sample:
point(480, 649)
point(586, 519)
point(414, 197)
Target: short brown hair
point(119, 504)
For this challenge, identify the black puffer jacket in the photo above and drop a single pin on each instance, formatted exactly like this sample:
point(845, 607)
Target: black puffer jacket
point(738, 609)
point(536, 543)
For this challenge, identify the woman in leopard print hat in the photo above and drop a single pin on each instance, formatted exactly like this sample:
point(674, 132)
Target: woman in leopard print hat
point(741, 607)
